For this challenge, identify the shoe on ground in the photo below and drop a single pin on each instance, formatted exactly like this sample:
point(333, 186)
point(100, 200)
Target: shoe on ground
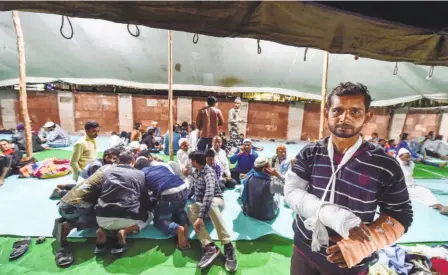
point(229, 253)
point(211, 251)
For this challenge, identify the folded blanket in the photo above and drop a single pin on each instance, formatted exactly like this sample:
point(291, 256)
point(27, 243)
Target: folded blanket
point(46, 169)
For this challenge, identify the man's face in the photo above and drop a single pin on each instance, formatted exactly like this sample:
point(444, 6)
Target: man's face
point(210, 160)
point(247, 147)
point(406, 158)
point(110, 159)
point(241, 136)
point(194, 163)
point(432, 136)
point(382, 142)
point(93, 132)
point(237, 105)
point(217, 143)
point(50, 129)
point(281, 153)
point(4, 146)
point(184, 146)
point(347, 115)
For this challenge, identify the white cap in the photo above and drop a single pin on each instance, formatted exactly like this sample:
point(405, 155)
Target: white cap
point(403, 151)
point(182, 140)
point(134, 145)
point(247, 140)
point(260, 162)
point(237, 100)
point(49, 124)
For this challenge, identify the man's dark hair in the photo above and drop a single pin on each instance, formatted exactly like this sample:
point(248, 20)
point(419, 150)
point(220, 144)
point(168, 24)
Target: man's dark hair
point(197, 156)
point(7, 141)
point(91, 125)
point(142, 163)
point(210, 153)
point(404, 136)
point(111, 151)
point(348, 89)
point(381, 139)
point(374, 134)
point(192, 126)
point(150, 131)
point(137, 125)
point(211, 100)
point(144, 153)
point(126, 157)
point(390, 142)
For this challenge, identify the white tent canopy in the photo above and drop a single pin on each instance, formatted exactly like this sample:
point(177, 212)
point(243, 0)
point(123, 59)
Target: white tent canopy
point(104, 53)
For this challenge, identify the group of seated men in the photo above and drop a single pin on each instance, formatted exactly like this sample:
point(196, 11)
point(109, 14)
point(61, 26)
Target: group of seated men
point(124, 191)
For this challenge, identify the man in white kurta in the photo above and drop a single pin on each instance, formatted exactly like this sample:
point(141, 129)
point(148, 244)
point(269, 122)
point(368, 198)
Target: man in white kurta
point(417, 192)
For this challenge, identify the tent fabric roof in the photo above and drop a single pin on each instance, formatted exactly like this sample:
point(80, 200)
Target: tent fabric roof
point(301, 24)
point(104, 53)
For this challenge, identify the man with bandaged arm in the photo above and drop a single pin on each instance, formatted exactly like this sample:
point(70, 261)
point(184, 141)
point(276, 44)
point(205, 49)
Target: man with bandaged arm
point(336, 187)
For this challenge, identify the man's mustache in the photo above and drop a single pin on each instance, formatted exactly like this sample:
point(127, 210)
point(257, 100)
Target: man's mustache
point(344, 126)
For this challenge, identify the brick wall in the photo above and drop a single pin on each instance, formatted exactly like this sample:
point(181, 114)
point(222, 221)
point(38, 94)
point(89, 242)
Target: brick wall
point(42, 107)
point(311, 122)
point(93, 106)
point(419, 124)
point(378, 124)
point(267, 120)
point(149, 108)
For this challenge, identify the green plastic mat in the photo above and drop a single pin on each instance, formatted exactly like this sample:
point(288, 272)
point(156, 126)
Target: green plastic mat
point(267, 255)
point(422, 171)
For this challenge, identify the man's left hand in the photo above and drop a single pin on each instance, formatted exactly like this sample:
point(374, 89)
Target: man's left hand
point(335, 256)
point(197, 224)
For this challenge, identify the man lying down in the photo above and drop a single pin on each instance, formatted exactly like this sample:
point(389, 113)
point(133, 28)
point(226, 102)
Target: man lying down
point(417, 192)
point(336, 186)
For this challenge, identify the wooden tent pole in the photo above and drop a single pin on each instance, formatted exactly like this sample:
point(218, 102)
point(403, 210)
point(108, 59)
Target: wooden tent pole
point(170, 92)
point(324, 95)
point(22, 84)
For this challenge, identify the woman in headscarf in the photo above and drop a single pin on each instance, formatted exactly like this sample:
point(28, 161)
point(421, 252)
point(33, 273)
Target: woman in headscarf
point(19, 139)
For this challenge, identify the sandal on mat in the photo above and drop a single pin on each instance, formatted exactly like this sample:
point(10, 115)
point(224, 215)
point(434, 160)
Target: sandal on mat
point(64, 257)
point(19, 248)
point(119, 249)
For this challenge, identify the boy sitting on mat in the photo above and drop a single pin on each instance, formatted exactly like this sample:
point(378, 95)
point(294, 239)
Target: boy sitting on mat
point(119, 205)
point(209, 200)
point(417, 192)
point(171, 193)
point(76, 210)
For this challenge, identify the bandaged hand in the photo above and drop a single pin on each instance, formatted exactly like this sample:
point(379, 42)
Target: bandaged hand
point(384, 231)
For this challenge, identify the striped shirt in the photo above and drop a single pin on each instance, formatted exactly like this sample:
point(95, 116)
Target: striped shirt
point(58, 136)
point(206, 187)
point(369, 180)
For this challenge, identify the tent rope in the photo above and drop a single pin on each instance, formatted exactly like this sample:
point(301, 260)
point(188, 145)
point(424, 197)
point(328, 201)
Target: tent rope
point(62, 26)
point(304, 54)
point(431, 71)
point(137, 32)
point(196, 38)
point(258, 46)
point(396, 68)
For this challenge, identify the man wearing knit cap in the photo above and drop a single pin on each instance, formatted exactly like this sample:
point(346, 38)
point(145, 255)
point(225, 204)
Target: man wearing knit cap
point(234, 121)
point(244, 158)
point(261, 194)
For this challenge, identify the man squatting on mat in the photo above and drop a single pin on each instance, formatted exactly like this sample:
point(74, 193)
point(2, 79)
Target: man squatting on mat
point(335, 187)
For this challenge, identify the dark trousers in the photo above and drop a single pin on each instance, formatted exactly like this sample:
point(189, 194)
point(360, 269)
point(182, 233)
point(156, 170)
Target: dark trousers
point(6, 162)
point(204, 144)
point(301, 266)
point(67, 188)
point(227, 183)
point(235, 175)
point(170, 212)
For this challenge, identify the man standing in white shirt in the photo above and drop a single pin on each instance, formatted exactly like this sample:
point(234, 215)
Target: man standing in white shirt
point(222, 160)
